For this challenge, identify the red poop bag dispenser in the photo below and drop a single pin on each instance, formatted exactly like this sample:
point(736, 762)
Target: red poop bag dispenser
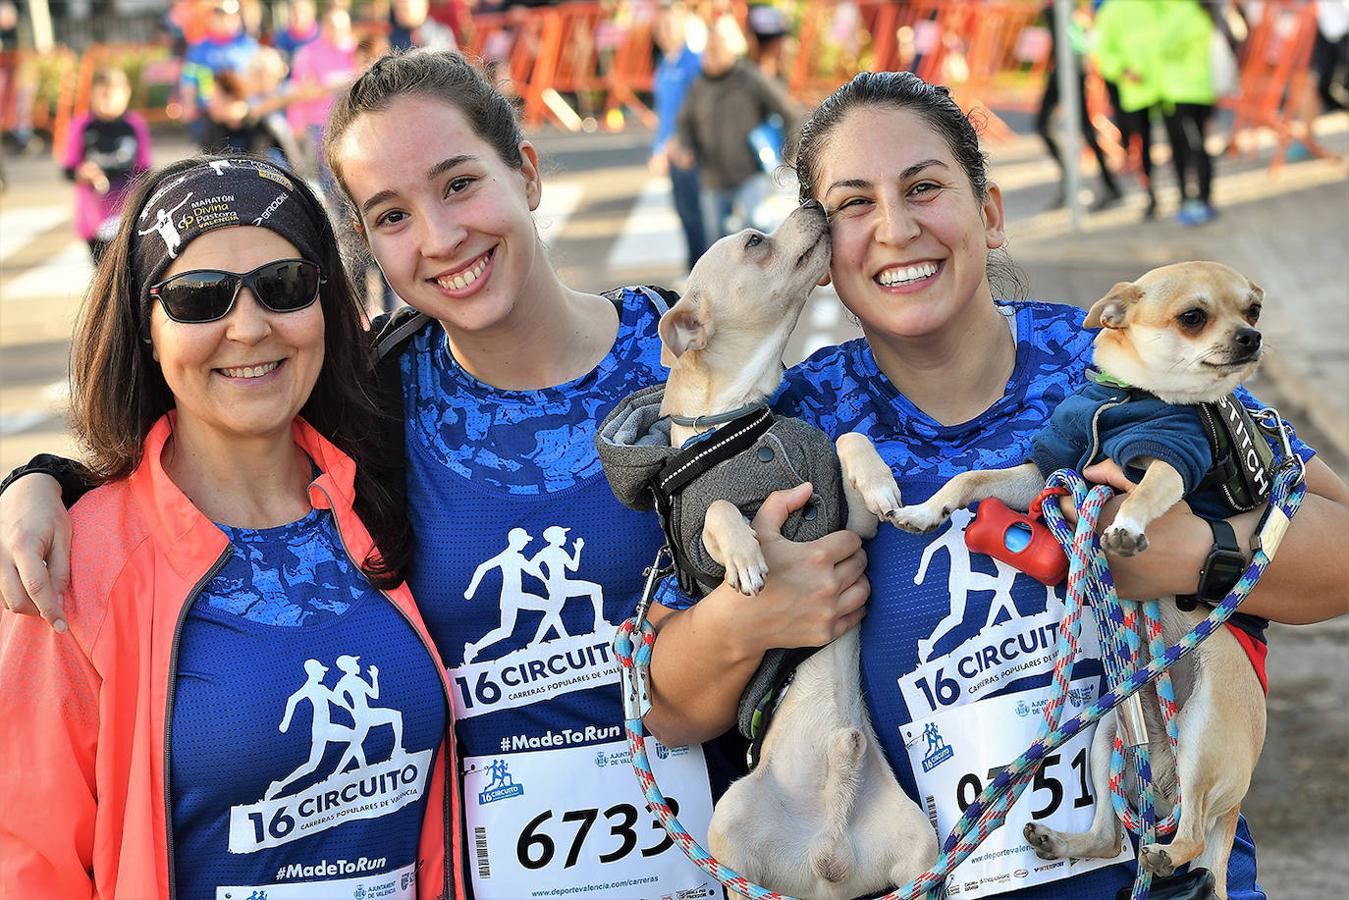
point(1019, 539)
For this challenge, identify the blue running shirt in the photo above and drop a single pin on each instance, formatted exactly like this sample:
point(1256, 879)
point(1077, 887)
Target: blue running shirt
point(306, 716)
point(525, 563)
point(958, 648)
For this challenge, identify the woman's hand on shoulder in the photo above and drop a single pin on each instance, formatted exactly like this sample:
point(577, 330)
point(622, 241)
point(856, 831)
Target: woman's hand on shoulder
point(34, 548)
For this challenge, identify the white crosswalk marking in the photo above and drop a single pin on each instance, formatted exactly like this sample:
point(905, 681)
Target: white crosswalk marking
point(15, 423)
point(19, 226)
point(559, 201)
point(65, 274)
point(823, 314)
point(651, 236)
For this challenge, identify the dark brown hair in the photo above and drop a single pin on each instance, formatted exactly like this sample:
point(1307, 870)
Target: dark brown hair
point(118, 391)
point(444, 75)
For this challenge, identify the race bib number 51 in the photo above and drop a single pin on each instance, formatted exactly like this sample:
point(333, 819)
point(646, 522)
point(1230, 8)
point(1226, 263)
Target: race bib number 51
point(955, 754)
point(573, 823)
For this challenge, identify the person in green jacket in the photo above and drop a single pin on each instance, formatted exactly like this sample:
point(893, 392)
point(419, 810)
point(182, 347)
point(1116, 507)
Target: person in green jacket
point(1158, 53)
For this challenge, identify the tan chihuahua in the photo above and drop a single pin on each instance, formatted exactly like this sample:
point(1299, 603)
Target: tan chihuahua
point(822, 815)
point(1185, 334)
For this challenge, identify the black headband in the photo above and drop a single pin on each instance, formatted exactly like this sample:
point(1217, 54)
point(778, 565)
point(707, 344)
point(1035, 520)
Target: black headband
point(220, 193)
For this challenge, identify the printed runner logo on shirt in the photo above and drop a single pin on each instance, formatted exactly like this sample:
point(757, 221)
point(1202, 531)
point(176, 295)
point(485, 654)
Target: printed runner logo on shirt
point(1008, 645)
point(357, 787)
point(554, 661)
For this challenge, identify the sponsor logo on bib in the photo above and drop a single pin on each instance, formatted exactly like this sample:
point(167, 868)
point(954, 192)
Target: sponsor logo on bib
point(1006, 644)
point(938, 751)
point(502, 786)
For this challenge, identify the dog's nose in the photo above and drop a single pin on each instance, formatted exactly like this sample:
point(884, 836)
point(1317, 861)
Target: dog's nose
point(1247, 339)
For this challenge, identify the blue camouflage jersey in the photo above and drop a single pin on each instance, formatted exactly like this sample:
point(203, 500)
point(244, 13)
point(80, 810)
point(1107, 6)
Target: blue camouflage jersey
point(525, 563)
point(306, 715)
point(958, 648)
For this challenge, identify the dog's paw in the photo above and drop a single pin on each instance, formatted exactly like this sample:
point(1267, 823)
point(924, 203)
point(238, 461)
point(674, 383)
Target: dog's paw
point(746, 570)
point(1156, 860)
point(1046, 842)
point(880, 495)
point(919, 519)
point(1124, 539)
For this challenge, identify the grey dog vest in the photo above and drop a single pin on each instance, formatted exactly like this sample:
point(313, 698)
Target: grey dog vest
point(634, 447)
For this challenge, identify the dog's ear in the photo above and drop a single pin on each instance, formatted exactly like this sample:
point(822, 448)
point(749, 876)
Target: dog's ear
point(1111, 311)
point(687, 326)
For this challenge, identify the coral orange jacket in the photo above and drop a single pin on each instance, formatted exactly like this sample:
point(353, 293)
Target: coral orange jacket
point(83, 804)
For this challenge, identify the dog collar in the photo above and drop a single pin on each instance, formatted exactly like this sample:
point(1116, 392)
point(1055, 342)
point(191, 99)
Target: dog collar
point(698, 422)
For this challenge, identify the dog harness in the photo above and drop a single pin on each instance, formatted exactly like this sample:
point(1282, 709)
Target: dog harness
point(743, 461)
point(1220, 453)
point(1225, 461)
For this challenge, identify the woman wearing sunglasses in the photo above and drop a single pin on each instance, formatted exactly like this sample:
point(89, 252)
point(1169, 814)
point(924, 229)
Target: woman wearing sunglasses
point(247, 702)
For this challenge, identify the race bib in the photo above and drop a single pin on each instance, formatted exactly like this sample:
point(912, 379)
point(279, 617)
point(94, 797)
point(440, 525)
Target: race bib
point(400, 884)
point(956, 753)
point(572, 822)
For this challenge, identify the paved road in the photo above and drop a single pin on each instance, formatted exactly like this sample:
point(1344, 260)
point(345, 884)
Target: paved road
point(608, 222)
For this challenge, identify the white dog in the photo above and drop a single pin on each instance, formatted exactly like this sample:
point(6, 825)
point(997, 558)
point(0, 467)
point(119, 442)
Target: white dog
point(821, 816)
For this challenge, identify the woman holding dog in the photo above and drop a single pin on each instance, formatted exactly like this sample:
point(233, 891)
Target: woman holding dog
point(501, 471)
point(957, 652)
point(221, 566)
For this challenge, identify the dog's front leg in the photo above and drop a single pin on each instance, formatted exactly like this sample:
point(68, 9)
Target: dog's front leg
point(1016, 487)
point(1161, 488)
point(868, 484)
point(730, 540)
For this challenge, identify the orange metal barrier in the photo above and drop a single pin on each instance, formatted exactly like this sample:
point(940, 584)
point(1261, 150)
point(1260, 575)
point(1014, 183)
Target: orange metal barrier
point(34, 87)
point(574, 61)
point(581, 60)
point(1274, 78)
point(990, 54)
point(151, 70)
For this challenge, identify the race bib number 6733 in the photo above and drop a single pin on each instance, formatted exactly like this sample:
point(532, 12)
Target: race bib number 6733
point(572, 822)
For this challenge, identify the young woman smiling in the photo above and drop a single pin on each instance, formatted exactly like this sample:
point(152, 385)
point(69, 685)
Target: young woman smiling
point(948, 379)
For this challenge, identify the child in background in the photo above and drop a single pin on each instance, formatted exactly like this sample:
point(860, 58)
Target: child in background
point(108, 147)
point(303, 28)
point(268, 100)
point(246, 110)
point(320, 69)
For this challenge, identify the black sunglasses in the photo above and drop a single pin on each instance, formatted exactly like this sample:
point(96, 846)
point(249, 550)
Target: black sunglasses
point(207, 295)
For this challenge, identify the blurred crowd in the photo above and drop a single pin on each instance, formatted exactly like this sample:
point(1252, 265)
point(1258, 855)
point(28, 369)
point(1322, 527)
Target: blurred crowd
point(260, 77)
point(1170, 63)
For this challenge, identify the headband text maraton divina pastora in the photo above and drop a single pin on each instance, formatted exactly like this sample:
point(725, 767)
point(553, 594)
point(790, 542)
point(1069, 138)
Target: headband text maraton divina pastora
point(220, 193)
